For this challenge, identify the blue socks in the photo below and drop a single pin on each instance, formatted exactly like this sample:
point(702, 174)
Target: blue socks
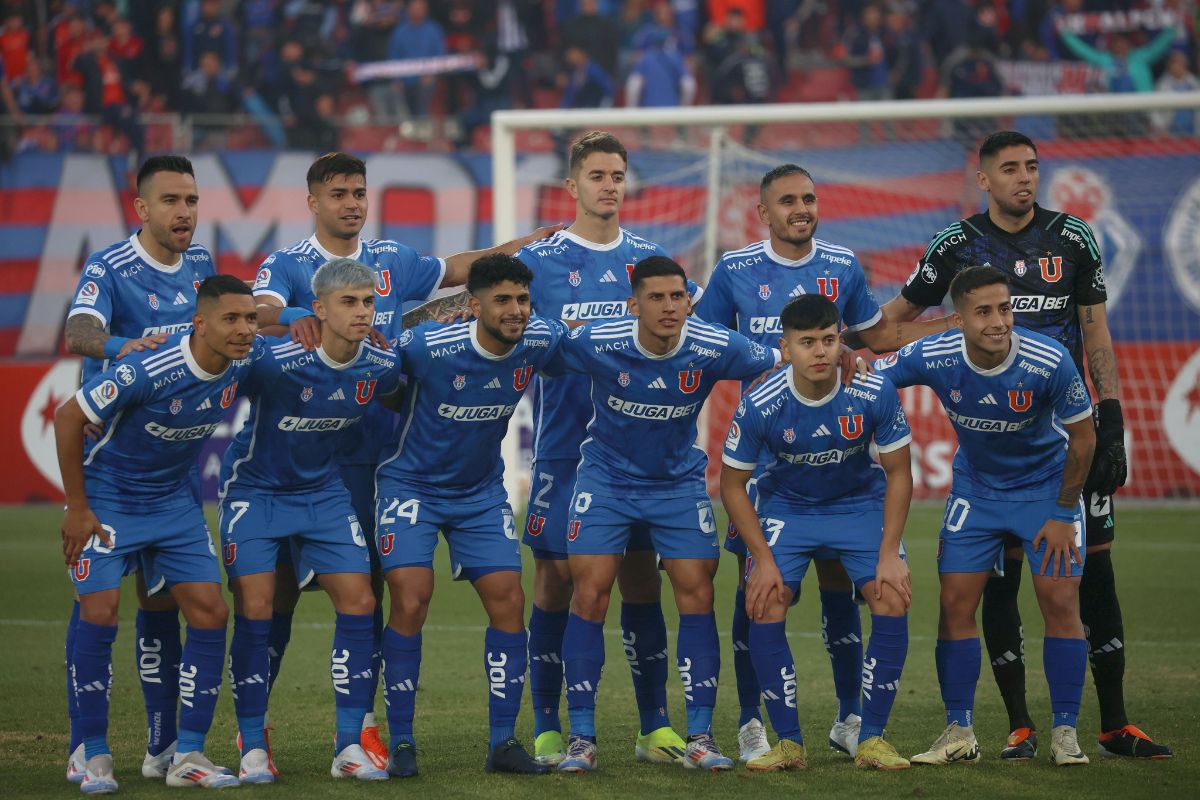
point(158, 653)
point(699, 655)
point(644, 639)
point(72, 706)
point(583, 659)
point(776, 672)
point(92, 667)
point(748, 689)
point(958, 674)
point(376, 653)
point(249, 666)
point(401, 671)
point(199, 684)
point(350, 668)
point(841, 628)
point(277, 642)
point(1065, 662)
point(881, 669)
point(504, 661)
point(546, 667)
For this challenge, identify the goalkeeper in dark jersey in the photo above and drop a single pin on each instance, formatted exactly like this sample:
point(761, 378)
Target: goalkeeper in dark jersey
point(1053, 262)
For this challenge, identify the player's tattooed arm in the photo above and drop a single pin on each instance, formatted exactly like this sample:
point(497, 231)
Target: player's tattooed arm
point(86, 336)
point(1101, 357)
point(1081, 445)
point(896, 312)
point(441, 309)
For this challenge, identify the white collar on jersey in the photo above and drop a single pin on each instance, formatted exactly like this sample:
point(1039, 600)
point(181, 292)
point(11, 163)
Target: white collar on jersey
point(473, 327)
point(330, 256)
point(329, 362)
point(787, 262)
point(1003, 365)
point(579, 240)
point(637, 343)
point(153, 263)
point(185, 344)
point(791, 382)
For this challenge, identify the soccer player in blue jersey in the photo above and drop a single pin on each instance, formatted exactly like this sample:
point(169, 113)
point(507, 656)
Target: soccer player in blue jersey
point(281, 488)
point(1053, 261)
point(583, 277)
point(821, 492)
point(640, 469)
point(1025, 434)
point(337, 186)
point(129, 495)
point(130, 297)
point(446, 474)
point(747, 290)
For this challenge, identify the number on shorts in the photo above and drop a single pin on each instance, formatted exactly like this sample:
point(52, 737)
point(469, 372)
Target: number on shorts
point(356, 531)
point(539, 499)
point(708, 523)
point(406, 510)
point(772, 528)
point(583, 501)
point(97, 545)
point(240, 507)
point(959, 507)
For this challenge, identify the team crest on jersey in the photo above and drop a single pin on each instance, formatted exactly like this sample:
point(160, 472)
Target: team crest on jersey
point(153, 299)
point(363, 390)
point(460, 381)
point(387, 542)
point(228, 395)
point(789, 435)
point(629, 272)
point(534, 524)
point(306, 393)
point(83, 568)
point(1052, 269)
point(689, 380)
point(851, 425)
point(1019, 269)
point(574, 278)
point(956, 395)
point(828, 287)
point(196, 285)
point(573, 530)
point(383, 283)
point(764, 291)
point(1020, 399)
point(229, 553)
point(176, 405)
point(521, 377)
point(623, 378)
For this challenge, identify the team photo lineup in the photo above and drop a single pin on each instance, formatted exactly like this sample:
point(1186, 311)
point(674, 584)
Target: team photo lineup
point(382, 383)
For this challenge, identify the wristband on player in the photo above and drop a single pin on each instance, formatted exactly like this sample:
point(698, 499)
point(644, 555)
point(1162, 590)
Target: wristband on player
point(113, 345)
point(1108, 414)
point(1064, 514)
point(290, 315)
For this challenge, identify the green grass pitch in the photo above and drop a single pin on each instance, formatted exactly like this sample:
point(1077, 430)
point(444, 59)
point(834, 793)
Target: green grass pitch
point(1157, 556)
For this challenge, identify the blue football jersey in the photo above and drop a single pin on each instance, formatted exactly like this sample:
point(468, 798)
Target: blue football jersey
point(304, 405)
point(1010, 445)
point(400, 275)
point(158, 408)
point(641, 441)
point(576, 280)
point(749, 287)
point(458, 406)
point(134, 295)
point(818, 451)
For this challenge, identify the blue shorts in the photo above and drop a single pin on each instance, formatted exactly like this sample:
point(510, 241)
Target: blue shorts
point(549, 511)
point(170, 547)
point(797, 538)
point(319, 528)
point(733, 542)
point(973, 531)
point(678, 527)
point(481, 534)
point(360, 482)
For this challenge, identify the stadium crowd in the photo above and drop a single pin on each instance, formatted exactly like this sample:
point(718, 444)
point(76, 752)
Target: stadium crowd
point(290, 66)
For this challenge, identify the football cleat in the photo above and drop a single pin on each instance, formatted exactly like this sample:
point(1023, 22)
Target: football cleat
point(784, 755)
point(374, 747)
point(256, 767)
point(661, 746)
point(402, 763)
point(875, 753)
point(270, 755)
point(548, 748)
point(581, 755)
point(352, 762)
point(956, 745)
point(843, 736)
point(156, 766)
point(752, 741)
point(194, 769)
point(511, 756)
point(1130, 742)
point(76, 765)
point(702, 753)
point(1064, 746)
point(98, 776)
point(1021, 746)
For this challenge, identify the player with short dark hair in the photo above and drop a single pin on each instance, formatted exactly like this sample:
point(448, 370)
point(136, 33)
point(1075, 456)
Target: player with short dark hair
point(445, 473)
point(821, 492)
point(1013, 397)
point(129, 501)
point(649, 376)
point(1054, 263)
point(131, 296)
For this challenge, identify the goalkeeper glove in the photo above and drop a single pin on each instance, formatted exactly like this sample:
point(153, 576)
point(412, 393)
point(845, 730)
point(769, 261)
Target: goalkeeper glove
point(1110, 465)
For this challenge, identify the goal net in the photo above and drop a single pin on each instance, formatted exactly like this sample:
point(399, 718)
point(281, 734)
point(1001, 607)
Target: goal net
point(891, 175)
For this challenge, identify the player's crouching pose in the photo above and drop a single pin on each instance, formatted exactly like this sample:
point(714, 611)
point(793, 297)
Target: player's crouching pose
point(1006, 392)
point(822, 494)
point(280, 487)
point(446, 473)
point(651, 373)
point(131, 497)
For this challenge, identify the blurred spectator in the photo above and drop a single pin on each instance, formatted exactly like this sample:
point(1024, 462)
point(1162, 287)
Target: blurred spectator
point(970, 71)
point(783, 28)
point(72, 128)
point(104, 92)
point(753, 12)
point(1127, 69)
point(166, 58)
point(313, 23)
point(416, 37)
point(515, 23)
point(311, 128)
point(1177, 78)
point(1048, 30)
point(372, 22)
point(211, 32)
point(687, 22)
point(69, 37)
point(597, 33)
point(209, 90)
point(35, 91)
point(905, 55)
point(659, 76)
point(585, 84)
point(105, 16)
point(260, 23)
point(14, 45)
point(743, 75)
point(946, 25)
point(463, 29)
point(127, 50)
point(492, 90)
point(866, 56)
